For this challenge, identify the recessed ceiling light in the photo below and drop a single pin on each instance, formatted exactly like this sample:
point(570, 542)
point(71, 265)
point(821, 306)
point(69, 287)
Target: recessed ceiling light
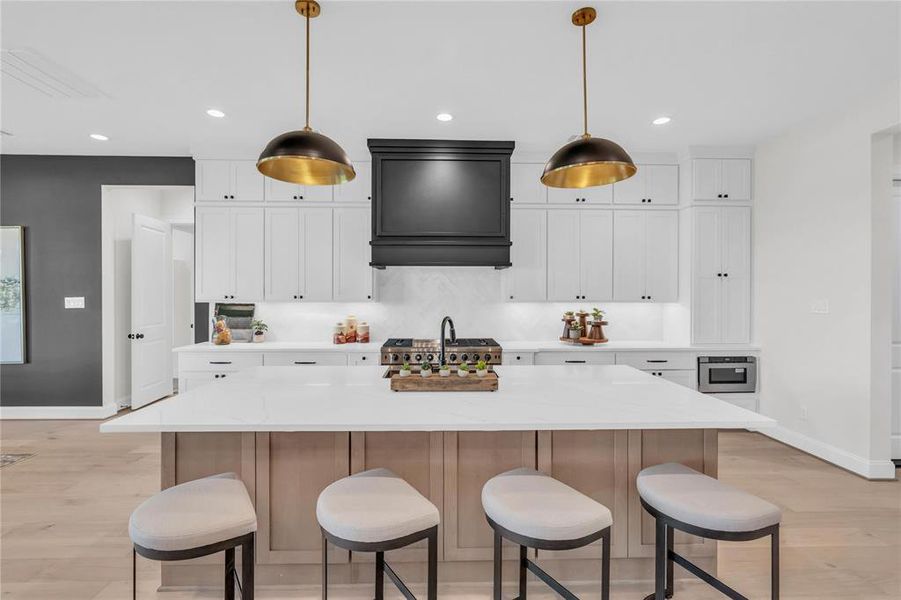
point(661, 120)
point(99, 137)
point(444, 117)
point(215, 112)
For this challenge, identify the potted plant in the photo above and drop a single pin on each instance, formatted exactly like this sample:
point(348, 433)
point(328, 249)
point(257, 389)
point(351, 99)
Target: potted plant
point(481, 368)
point(425, 369)
point(444, 370)
point(575, 330)
point(405, 370)
point(597, 314)
point(259, 330)
point(463, 370)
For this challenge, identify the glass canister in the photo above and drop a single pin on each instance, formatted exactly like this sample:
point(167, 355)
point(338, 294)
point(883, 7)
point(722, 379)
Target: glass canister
point(338, 334)
point(363, 333)
point(350, 329)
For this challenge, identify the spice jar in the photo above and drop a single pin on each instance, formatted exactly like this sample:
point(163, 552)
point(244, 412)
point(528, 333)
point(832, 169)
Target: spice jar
point(363, 333)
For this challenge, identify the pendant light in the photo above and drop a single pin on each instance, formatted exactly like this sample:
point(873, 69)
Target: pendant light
point(306, 157)
point(587, 161)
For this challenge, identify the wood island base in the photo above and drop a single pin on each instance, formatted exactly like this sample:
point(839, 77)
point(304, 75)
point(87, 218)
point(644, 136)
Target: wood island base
point(285, 471)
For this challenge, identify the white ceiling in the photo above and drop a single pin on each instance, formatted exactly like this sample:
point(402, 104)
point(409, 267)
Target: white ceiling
point(730, 73)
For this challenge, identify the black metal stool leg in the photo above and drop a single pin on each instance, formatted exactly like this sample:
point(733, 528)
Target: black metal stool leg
point(134, 574)
point(670, 582)
point(605, 566)
point(660, 561)
point(433, 565)
point(379, 575)
point(248, 563)
point(230, 574)
point(498, 565)
point(324, 568)
point(774, 573)
point(523, 570)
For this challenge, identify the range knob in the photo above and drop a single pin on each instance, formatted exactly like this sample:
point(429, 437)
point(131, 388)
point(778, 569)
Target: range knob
point(453, 358)
point(395, 357)
point(406, 357)
point(488, 356)
point(464, 358)
point(418, 357)
point(430, 357)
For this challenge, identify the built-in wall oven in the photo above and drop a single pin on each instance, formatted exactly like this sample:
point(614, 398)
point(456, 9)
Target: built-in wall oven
point(724, 374)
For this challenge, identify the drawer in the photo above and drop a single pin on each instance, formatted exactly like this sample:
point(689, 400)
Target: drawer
point(287, 359)
point(518, 358)
point(363, 359)
point(575, 358)
point(191, 380)
point(686, 378)
point(657, 361)
point(219, 361)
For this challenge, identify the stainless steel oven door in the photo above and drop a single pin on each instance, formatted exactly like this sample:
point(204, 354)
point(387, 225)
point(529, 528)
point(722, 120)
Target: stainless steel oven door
point(725, 374)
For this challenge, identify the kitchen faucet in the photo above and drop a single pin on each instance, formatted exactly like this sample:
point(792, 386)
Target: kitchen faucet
point(453, 337)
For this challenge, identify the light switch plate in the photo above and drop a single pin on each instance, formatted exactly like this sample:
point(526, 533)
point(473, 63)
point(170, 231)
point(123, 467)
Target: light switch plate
point(819, 307)
point(74, 301)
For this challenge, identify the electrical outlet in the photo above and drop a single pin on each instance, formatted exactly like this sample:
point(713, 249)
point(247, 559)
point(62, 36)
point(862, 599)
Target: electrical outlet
point(74, 302)
point(820, 307)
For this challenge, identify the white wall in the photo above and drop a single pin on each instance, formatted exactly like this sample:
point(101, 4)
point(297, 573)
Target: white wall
point(819, 235)
point(182, 288)
point(896, 326)
point(412, 302)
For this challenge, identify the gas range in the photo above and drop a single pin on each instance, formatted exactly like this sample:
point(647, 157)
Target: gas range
point(397, 351)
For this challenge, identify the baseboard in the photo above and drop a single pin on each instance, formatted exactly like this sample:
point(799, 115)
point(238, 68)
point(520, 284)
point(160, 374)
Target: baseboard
point(870, 469)
point(57, 412)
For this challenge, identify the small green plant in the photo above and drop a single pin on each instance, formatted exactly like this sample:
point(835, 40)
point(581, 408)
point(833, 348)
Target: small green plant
point(425, 365)
point(568, 313)
point(575, 325)
point(481, 365)
point(405, 366)
point(463, 367)
point(258, 325)
point(597, 314)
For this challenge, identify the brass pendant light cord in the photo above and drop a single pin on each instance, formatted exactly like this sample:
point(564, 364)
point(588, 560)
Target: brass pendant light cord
point(584, 87)
point(307, 17)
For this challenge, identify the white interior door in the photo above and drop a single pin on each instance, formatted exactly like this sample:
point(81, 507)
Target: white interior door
point(151, 311)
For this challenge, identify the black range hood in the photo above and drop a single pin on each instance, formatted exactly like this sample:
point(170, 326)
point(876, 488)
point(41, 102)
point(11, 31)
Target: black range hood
point(440, 203)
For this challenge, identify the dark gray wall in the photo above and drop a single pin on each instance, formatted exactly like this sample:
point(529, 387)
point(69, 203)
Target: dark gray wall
point(57, 199)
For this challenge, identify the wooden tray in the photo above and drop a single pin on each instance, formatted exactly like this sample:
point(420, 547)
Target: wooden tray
point(584, 341)
point(436, 383)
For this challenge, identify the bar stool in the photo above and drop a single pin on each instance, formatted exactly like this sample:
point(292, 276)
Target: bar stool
point(681, 498)
point(198, 518)
point(377, 511)
point(535, 510)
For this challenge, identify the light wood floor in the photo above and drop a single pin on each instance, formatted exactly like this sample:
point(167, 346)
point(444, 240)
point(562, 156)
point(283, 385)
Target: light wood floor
point(65, 513)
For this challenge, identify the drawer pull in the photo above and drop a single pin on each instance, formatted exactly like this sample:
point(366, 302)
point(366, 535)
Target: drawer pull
point(220, 362)
point(304, 362)
point(661, 360)
point(575, 362)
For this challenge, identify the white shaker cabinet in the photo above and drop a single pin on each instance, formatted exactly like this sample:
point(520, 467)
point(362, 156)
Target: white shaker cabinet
point(228, 181)
point(525, 184)
point(580, 196)
point(359, 189)
point(526, 280)
point(352, 273)
point(299, 254)
point(652, 184)
point(281, 191)
point(721, 179)
point(646, 256)
point(721, 287)
point(579, 255)
point(229, 251)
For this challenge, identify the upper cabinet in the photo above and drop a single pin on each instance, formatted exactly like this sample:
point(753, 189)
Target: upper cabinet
point(646, 256)
point(281, 191)
point(525, 184)
point(593, 195)
point(721, 179)
point(579, 255)
point(359, 189)
point(526, 280)
point(352, 273)
point(229, 250)
point(297, 267)
point(652, 184)
point(228, 181)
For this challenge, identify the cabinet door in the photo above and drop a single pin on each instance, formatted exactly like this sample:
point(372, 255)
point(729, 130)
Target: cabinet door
point(214, 279)
point(318, 193)
point(247, 181)
point(736, 280)
point(707, 286)
point(527, 278)
point(280, 191)
point(353, 275)
point(593, 195)
point(687, 378)
point(629, 256)
point(596, 254)
point(662, 255)
point(248, 251)
point(316, 254)
point(707, 178)
point(736, 173)
point(212, 180)
point(661, 183)
point(632, 190)
point(359, 189)
point(525, 184)
point(563, 247)
point(282, 253)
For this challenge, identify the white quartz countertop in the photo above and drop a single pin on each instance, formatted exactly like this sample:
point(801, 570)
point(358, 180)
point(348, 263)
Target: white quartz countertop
point(359, 399)
point(520, 346)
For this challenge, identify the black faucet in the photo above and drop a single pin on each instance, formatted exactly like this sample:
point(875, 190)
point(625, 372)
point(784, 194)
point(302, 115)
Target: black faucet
point(453, 338)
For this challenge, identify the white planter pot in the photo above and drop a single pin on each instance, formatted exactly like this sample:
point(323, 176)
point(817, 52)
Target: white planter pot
point(462, 373)
point(258, 337)
point(575, 334)
point(425, 373)
point(482, 373)
point(403, 373)
point(444, 373)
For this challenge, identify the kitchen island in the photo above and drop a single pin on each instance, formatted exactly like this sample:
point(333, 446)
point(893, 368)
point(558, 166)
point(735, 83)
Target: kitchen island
point(289, 432)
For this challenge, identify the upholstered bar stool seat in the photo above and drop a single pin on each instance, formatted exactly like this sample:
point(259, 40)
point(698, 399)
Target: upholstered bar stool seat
point(535, 510)
point(198, 518)
point(377, 511)
point(679, 497)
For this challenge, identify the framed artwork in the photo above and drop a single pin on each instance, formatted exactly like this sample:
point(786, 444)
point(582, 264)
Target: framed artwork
point(12, 294)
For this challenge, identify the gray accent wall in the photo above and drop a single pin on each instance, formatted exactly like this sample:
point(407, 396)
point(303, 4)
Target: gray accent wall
point(57, 200)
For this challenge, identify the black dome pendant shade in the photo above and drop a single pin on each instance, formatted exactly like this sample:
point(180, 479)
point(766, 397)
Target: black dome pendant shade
point(304, 156)
point(587, 161)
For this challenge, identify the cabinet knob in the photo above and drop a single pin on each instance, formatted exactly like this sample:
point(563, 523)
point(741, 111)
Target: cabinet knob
point(301, 197)
point(725, 274)
point(719, 274)
point(225, 196)
point(650, 200)
point(725, 195)
point(369, 197)
point(300, 297)
point(511, 297)
point(719, 195)
point(131, 336)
